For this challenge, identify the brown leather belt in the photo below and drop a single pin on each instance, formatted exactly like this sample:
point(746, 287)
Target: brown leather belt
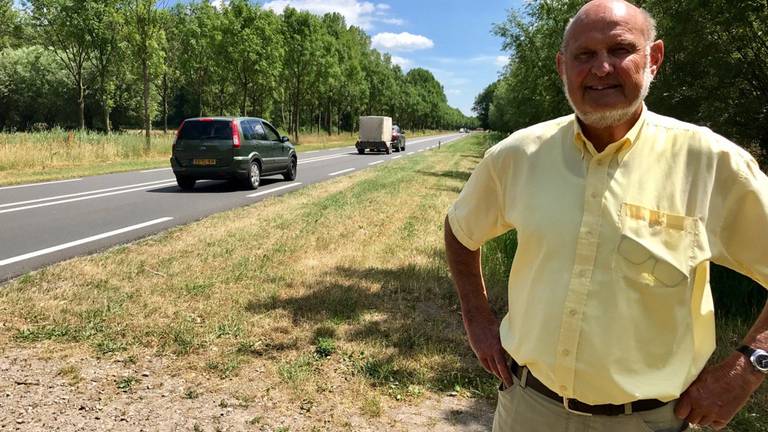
point(527, 380)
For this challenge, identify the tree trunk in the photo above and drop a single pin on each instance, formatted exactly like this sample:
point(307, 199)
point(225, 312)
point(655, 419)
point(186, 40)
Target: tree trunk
point(81, 101)
point(145, 75)
point(165, 102)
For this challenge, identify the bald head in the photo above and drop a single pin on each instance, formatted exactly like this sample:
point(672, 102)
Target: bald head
point(600, 12)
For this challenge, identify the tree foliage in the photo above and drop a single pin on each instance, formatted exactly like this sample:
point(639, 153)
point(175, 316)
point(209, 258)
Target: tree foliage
point(133, 63)
point(715, 71)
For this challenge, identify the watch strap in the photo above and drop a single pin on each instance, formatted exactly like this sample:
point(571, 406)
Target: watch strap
point(746, 350)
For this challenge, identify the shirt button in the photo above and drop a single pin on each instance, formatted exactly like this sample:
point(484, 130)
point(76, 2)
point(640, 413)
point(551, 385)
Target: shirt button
point(583, 273)
point(600, 162)
point(563, 388)
point(566, 352)
point(573, 312)
point(594, 195)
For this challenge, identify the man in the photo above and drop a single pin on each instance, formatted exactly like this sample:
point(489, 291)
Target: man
point(618, 212)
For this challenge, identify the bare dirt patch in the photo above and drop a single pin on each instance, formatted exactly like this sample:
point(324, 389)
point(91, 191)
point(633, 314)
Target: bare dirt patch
point(40, 391)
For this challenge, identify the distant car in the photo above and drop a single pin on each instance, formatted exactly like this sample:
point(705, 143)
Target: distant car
point(242, 149)
point(462, 130)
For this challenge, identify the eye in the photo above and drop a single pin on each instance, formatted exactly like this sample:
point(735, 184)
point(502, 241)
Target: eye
point(583, 55)
point(622, 50)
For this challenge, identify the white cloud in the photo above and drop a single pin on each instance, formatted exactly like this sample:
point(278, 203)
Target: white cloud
point(404, 63)
point(219, 4)
point(502, 61)
point(362, 14)
point(400, 42)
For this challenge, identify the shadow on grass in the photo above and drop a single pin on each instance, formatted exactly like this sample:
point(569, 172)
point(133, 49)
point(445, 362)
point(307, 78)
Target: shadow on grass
point(458, 175)
point(411, 311)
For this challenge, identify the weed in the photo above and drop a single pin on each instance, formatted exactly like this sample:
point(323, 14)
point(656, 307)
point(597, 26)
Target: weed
point(51, 332)
point(125, 383)
point(297, 370)
point(226, 368)
point(230, 327)
point(71, 373)
point(371, 406)
point(191, 393)
point(325, 347)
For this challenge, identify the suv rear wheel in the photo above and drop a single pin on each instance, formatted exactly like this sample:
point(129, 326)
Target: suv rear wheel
point(185, 183)
point(254, 176)
point(290, 173)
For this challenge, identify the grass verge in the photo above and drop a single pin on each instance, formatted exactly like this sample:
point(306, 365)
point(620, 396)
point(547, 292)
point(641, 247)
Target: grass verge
point(256, 288)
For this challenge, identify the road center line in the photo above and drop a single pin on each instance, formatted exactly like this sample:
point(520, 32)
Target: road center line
point(40, 184)
point(341, 172)
point(157, 169)
point(376, 163)
point(273, 190)
point(81, 241)
point(81, 193)
point(84, 198)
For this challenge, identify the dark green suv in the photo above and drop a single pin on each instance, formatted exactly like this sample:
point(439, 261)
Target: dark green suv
point(238, 148)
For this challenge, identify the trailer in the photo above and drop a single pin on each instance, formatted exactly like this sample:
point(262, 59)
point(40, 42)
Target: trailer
point(378, 134)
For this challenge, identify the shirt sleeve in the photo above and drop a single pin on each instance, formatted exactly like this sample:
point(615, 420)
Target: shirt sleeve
point(742, 237)
point(478, 214)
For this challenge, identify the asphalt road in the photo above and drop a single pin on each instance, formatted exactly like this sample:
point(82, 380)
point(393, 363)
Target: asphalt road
point(44, 223)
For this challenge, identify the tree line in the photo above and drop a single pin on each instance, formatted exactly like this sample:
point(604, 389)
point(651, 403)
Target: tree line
point(113, 64)
point(715, 71)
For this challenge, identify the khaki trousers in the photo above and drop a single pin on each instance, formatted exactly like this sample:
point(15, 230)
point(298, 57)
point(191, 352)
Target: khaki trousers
point(525, 410)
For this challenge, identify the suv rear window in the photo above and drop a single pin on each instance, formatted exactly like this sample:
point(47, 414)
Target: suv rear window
point(211, 129)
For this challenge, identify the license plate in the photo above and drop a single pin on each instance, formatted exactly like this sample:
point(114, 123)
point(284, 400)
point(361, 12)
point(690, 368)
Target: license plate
point(204, 162)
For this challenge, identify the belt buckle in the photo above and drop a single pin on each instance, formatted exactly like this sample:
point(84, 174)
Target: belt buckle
point(567, 408)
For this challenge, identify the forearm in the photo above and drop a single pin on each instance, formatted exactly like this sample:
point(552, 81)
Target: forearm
point(758, 334)
point(467, 275)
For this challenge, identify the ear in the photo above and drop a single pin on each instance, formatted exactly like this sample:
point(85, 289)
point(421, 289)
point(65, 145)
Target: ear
point(560, 63)
point(657, 56)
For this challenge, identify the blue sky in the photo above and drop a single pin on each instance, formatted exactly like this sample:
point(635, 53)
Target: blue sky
point(450, 38)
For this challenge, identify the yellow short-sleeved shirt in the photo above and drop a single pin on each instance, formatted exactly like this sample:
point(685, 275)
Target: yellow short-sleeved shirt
point(609, 297)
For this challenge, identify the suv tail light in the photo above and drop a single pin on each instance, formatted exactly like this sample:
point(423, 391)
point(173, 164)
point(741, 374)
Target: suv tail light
point(178, 133)
point(235, 135)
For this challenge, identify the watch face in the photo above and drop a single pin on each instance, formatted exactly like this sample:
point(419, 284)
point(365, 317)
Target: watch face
point(761, 361)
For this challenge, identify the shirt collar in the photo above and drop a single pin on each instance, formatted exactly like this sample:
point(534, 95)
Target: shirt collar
point(620, 147)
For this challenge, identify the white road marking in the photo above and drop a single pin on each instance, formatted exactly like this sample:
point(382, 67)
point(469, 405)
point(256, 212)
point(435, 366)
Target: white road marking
point(313, 151)
point(420, 150)
point(397, 157)
point(158, 169)
point(40, 184)
point(81, 241)
point(82, 193)
point(273, 190)
point(322, 158)
point(84, 198)
point(409, 153)
point(341, 172)
point(376, 163)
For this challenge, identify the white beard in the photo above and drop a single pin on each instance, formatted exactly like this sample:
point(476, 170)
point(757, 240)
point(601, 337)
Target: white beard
point(604, 119)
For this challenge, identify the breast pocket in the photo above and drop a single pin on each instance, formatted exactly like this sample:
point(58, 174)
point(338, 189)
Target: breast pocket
point(655, 249)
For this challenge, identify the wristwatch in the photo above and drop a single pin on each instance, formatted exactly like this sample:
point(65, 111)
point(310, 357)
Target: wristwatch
point(758, 357)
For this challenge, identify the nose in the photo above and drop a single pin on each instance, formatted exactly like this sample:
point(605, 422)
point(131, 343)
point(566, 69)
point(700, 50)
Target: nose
point(601, 65)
